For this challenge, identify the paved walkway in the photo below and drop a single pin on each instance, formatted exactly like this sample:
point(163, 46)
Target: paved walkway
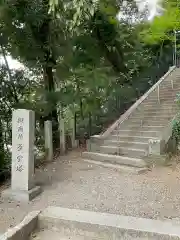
point(70, 182)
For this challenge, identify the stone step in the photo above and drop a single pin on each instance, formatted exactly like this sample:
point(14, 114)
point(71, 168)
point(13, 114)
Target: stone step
point(102, 157)
point(121, 168)
point(131, 138)
point(147, 119)
point(61, 224)
point(139, 127)
point(162, 109)
point(124, 151)
point(175, 78)
point(170, 91)
point(163, 100)
point(143, 122)
point(146, 133)
point(155, 110)
point(133, 144)
point(152, 117)
point(155, 117)
point(161, 104)
point(158, 109)
point(164, 94)
point(155, 106)
point(146, 122)
point(143, 119)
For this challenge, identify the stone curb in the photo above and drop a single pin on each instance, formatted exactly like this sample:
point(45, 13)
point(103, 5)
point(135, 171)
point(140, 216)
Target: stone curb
point(102, 224)
point(24, 229)
point(113, 225)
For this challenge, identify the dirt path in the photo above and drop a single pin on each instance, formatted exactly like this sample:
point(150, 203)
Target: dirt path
point(70, 182)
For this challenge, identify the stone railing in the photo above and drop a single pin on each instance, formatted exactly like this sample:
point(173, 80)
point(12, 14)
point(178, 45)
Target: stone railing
point(98, 139)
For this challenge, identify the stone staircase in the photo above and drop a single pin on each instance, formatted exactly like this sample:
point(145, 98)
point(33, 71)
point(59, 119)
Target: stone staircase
point(143, 131)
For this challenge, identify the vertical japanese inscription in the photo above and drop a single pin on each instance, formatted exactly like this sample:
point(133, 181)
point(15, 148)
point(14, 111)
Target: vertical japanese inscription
point(19, 158)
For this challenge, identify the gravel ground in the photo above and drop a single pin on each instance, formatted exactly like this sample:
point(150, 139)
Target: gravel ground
point(70, 182)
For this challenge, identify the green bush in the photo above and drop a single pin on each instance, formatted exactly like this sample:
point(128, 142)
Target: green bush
point(176, 129)
point(176, 122)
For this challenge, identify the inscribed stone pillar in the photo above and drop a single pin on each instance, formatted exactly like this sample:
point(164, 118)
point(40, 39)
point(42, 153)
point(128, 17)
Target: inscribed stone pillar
point(62, 136)
point(22, 168)
point(48, 139)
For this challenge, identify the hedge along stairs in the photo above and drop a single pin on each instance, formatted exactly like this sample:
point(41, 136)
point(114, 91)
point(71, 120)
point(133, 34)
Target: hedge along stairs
point(143, 132)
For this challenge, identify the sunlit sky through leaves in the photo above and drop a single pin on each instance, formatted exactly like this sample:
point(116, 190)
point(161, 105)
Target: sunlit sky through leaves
point(152, 5)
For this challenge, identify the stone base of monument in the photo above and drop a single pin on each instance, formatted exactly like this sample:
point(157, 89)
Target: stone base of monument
point(20, 195)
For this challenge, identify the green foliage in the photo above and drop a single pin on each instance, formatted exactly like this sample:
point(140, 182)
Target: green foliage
point(79, 58)
point(162, 26)
point(176, 122)
point(176, 130)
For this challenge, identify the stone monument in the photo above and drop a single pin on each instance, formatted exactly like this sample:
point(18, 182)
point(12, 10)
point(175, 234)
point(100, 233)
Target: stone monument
point(22, 169)
point(62, 136)
point(48, 140)
point(73, 134)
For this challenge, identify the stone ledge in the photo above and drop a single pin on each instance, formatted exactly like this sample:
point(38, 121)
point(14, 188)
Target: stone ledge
point(24, 229)
point(113, 225)
point(22, 196)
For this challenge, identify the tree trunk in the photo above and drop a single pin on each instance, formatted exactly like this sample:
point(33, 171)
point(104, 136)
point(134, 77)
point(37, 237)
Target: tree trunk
point(52, 116)
point(2, 161)
point(47, 66)
point(115, 56)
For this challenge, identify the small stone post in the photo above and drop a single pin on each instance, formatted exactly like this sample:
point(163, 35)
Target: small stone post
point(73, 134)
point(22, 170)
point(48, 140)
point(156, 147)
point(62, 136)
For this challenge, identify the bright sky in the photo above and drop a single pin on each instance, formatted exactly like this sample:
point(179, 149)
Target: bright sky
point(13, 64)
point(152, 4)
